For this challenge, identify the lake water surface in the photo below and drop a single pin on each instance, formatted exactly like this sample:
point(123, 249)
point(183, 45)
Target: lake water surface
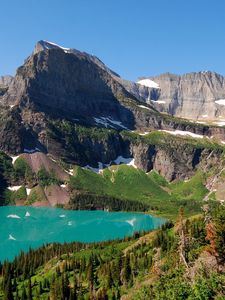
point(25, 227)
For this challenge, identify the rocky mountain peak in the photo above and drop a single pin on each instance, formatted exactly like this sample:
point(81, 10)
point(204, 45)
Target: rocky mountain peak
point(45, 45)
point(5, 80)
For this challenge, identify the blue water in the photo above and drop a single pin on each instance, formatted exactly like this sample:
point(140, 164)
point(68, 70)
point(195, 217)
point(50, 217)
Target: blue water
point(25, 227)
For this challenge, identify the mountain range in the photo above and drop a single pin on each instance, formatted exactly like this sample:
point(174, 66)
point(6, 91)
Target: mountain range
point(66, 108)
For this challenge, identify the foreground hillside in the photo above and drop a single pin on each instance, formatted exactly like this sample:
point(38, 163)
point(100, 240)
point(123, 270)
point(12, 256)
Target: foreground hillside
point(184, 261)
point(155, 171)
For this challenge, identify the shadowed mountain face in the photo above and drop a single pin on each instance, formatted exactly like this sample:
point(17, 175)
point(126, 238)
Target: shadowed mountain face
point(195, 95)
point(68, 83)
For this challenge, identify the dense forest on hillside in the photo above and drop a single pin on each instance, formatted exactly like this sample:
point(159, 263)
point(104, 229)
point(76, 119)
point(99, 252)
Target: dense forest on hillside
point(184, 260)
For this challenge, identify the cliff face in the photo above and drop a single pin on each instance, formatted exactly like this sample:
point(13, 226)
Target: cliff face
point(195, 95)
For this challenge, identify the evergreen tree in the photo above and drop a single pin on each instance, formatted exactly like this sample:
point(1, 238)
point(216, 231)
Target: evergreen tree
point(8, 294)
point(29, 290)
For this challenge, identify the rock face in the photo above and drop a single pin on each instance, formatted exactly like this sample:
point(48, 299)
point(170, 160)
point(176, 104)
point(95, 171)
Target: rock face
point(175, 161)
point(4, 84)
point(198, 96)
point(68, 83)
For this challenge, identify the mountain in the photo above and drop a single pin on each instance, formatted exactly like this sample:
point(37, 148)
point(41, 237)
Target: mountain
point(4, 83)
point(198, 96)
point(66, 108)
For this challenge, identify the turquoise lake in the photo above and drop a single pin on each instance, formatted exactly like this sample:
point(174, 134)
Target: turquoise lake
point(25, 227)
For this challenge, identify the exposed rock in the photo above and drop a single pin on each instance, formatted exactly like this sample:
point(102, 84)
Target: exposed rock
point(192, 95)
point(174, 160)
point(4, 84)
point(38, 161)
point(56, 195)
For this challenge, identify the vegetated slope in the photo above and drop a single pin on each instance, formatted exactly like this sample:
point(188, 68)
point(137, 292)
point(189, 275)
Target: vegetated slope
point(127, 183)
point(116, 187)
point(181, 262)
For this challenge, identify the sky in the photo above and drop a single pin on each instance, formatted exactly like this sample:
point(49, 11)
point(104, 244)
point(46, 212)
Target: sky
point(133, 37)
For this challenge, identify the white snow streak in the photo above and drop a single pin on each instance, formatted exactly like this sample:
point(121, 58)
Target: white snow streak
point(14, 188)
point(220, 101)
point(109, 122)
point(183, 133)
point(142, 106)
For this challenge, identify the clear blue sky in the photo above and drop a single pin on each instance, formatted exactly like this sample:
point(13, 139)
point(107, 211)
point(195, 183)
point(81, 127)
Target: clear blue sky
point(133, 37)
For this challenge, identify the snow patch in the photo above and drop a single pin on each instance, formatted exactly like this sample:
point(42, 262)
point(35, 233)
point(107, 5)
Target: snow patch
point(109, 122)
point(53, 159)
point(28, 191)
point(14, 158)
point(184, 133)
point(119, 160)
point(14, 188)
point(219, 123)
point(158, 101)
point(127, 161)
point(70, 172)
point(30, 151)
point(55, 45)
point(148, 83)
point(142, 106)
point(220, 101)
point(13, 216)
point(144, 133)
point(96, 170)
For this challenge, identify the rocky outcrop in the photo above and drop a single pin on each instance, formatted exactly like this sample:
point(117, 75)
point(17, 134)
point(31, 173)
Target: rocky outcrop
point(4, 84)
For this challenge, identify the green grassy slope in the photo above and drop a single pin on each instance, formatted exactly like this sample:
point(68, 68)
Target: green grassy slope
point(127, 183)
